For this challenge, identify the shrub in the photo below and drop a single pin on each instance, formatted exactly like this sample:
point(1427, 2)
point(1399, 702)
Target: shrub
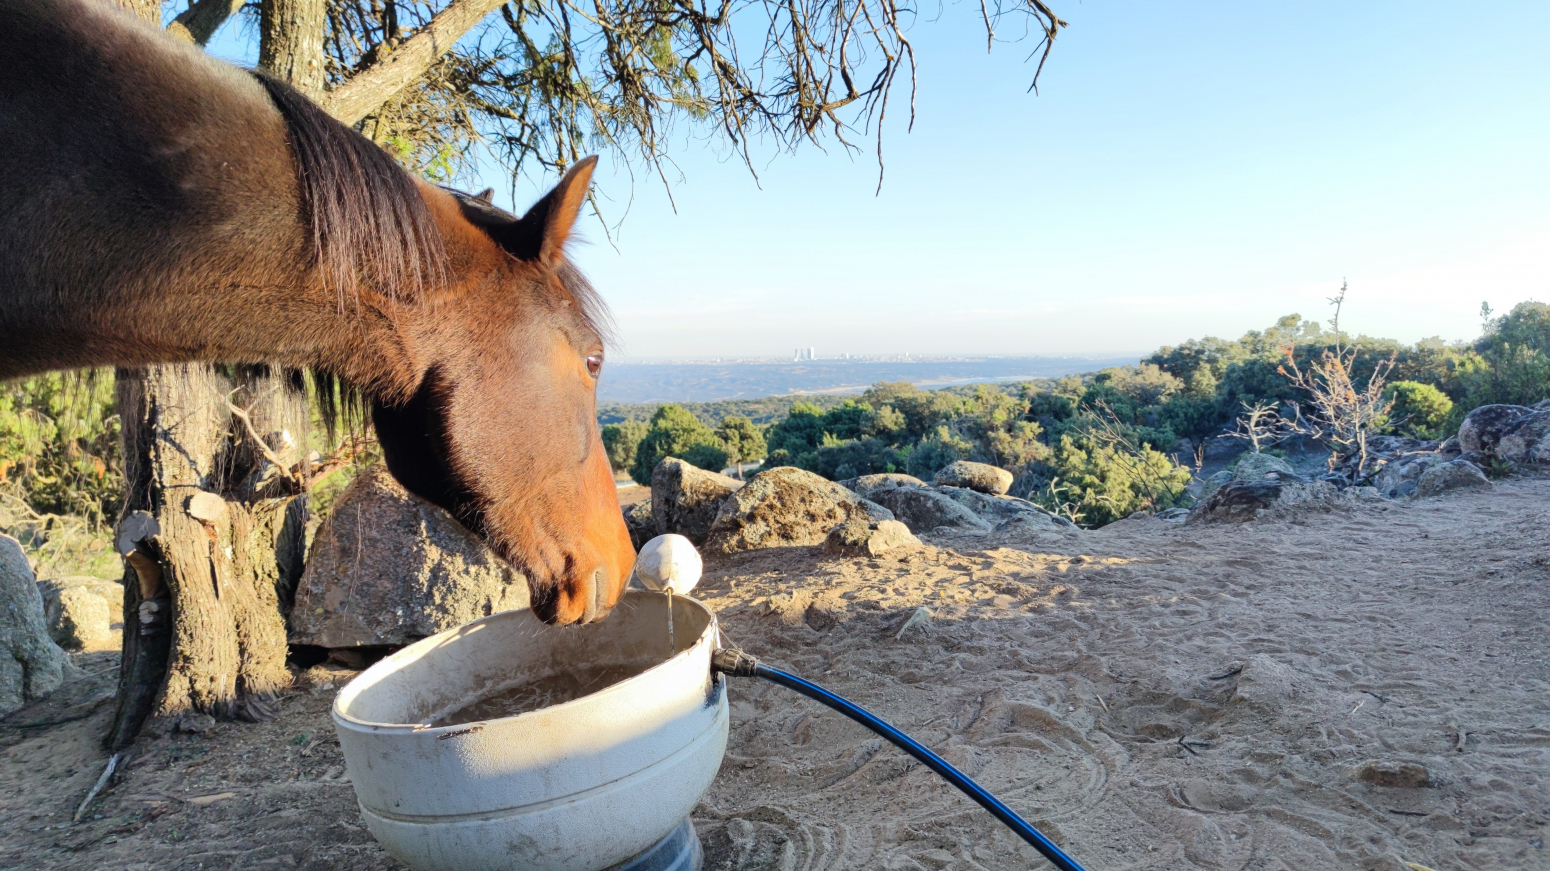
point(1103, 475)
point(936, 451)
point(674, 432)
point(59, 444)
point(800, 433)
point(867, 456)
point(1419, 410)
point(741, 438)
point(622, 440)
point(1510, 363)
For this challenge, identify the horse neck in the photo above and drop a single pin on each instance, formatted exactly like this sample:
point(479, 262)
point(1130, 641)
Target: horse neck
point(152, 212)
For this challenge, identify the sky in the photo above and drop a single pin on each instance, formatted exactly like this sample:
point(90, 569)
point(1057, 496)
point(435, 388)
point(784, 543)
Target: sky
point(1185, 169)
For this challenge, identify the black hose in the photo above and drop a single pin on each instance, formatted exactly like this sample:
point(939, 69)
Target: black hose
point(737, 663)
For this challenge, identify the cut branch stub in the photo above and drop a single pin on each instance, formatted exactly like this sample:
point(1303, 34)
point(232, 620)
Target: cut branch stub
point(134, 533)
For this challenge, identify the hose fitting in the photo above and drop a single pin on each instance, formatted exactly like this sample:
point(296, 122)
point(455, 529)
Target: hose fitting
point(733, 661)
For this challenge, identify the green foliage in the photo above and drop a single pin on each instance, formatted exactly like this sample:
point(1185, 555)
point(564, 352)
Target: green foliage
point(763, 411)
point(621, 441)
point(922, 410)
point(705, 455)
point(1509, 364)
point(59, 444)
point(1421, 410)
point(742, 439)
point(674, 432)
point(936, 451)
point(1101, 475)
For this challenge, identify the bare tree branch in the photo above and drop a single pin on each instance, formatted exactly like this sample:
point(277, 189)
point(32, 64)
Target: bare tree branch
point(202, 19)
point(401, 65)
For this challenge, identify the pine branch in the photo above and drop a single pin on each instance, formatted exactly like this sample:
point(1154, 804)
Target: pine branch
point(397, 69)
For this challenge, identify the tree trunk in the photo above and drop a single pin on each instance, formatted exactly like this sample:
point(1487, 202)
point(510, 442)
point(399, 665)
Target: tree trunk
point(290, 43)
point(214, 532)
point(205, 632)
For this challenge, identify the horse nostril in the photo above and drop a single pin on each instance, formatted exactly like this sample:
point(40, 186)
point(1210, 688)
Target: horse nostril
point(598, 608)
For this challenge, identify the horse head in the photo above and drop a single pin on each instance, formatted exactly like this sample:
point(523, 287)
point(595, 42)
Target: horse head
point(501, 429)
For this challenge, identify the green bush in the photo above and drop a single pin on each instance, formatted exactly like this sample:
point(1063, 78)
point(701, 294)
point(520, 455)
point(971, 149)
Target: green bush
point(622, 441)
point(866, 456)
point(1097, 480)
point(59, 444)
point(742, 439)
point(674, 432)
point(1510, 363)
point(1421, 410)
point(936, 451)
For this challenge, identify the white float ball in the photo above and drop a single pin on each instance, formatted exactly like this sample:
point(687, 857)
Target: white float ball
point(669, 562)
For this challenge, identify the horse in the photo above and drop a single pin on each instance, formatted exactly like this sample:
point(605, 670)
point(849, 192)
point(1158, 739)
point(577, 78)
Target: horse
point(161, 206)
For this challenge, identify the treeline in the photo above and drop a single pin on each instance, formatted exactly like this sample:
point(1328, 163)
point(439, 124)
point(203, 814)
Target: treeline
point(764, 411)
point(1097, 446)
point(1101, 446)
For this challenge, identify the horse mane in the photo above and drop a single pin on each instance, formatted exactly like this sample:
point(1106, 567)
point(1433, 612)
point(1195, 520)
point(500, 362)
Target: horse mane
point(369, 222)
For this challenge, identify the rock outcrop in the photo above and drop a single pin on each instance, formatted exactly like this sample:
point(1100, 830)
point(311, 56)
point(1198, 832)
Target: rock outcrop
point(1448, 477)
point(982, 477)
point(1241, 501)
point(31, 664)
point(387, 567)
point(866, 485)
point(1398, 479)
point(1252, 466)
point(998, 509)
point(84, 613)
point(1527, 439)
point(1483, 428)
point(858, 537)
point(685, 498)
point(1215, 482)
point(786, 507)
point(924, 509)
point(638, 520)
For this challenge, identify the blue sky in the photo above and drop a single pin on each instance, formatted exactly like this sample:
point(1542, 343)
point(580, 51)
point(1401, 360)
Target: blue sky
point(1187, 169)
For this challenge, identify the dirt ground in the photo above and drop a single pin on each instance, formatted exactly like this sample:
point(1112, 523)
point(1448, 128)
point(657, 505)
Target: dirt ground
point(1359, 689)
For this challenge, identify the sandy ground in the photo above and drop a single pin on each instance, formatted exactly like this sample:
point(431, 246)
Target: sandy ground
point(1357, 690)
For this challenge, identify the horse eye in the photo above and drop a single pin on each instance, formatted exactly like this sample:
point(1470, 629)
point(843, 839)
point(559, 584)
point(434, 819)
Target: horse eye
point(594, 363)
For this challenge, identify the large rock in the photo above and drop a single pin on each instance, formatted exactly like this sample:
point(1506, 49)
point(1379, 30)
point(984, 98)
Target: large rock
point(975, 476)
point(1252, 467)
point(638, 520)
point(1240, 501)
point(1483, 428)
point(996, 509)
point(1447, 477)
point(84, 613)
point(1400, 477)
point(923, 509)
point(1527, 439)
point(866, 485)
point(387, 567)
point(685, 498)
point(1215, 483)
point(31, 664)
point(786, 507)
point(858, 537)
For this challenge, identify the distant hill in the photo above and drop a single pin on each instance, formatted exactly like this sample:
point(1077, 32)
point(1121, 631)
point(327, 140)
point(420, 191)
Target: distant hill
point(710, 381)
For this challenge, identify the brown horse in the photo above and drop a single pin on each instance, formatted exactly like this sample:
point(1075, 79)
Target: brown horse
point(159, 206)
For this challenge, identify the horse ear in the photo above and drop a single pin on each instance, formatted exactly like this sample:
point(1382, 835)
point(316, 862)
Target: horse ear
point(549, 221)
point(485, 196)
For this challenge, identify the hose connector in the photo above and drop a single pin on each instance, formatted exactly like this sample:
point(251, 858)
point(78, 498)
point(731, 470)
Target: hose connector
point(733, 661)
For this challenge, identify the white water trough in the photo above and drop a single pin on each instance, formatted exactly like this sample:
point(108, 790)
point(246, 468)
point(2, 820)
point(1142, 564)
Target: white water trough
point(601, 782)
